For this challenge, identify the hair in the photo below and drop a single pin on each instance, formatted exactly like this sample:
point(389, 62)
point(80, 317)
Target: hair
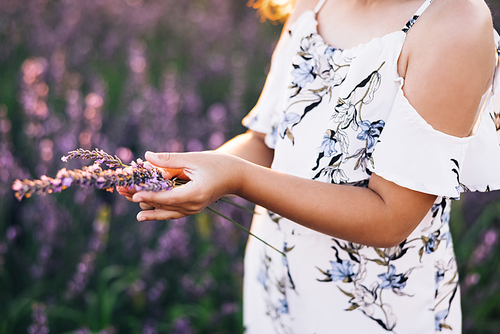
point(273, 10)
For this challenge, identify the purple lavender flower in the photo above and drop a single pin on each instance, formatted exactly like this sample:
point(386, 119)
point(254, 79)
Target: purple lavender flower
point(39, 325)
point(183, 326)
point(486, 247)
point(96, 245)
point(141, 175)
point(83, 330)
point(149, 327)
point(99, 156)
point(65, 103)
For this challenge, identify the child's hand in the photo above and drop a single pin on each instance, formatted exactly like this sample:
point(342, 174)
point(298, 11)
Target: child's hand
point(211, 175)
point(171, 173)
point(168, 173)
point(128, 193)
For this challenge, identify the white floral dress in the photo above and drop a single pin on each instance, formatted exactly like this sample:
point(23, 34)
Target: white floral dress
point(337, 116)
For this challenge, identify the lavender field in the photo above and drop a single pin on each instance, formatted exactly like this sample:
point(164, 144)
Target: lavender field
point(128, 76)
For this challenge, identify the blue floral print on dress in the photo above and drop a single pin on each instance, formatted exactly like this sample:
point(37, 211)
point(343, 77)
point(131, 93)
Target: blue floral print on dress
point(341, 271)
point(438, 318)
point(303, 74)
point(432, 242)
point(342, 114)
point(439, 276)
point(262, 278)
point(284, 306)
point(392, 281)
point(370, 131)
point(328, 144)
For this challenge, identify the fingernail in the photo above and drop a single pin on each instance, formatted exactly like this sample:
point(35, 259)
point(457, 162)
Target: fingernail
point(139, 217)
point(137, 198)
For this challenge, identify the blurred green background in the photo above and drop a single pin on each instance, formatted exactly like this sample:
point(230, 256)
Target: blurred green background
point(129, 76)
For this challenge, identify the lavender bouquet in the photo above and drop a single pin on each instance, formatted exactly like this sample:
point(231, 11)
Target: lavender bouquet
point(140, 174)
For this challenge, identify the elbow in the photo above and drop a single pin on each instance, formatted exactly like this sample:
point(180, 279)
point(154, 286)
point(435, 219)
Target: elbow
point(391, 235)
point(396, 226)
point(390, 241)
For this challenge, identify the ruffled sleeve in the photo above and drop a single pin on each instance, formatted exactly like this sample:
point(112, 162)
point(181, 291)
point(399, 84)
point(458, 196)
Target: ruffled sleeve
point(412, 154)
point(481, 169)
point(260, 118)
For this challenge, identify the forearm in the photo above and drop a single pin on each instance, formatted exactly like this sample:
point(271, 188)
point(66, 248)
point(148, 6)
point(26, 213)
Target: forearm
point(382, 215)
point(377, 216)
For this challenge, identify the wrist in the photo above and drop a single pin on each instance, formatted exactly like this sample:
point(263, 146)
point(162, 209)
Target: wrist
point(240, 169)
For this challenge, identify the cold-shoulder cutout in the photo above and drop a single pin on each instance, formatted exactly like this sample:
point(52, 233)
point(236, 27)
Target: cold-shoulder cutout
point(414, 155)
point(438, 84)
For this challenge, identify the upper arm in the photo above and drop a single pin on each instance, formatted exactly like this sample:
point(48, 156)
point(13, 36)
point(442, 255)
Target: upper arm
point(448, 62)
point(250, 146)
point(405, 207)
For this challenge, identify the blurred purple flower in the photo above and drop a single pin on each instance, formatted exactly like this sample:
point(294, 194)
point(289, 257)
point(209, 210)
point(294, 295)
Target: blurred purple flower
point(149, 327)
point(156, 291)
point(173, 243)
point(39, 325)
point(126, 76)
point(182, 326)
point(96, 245)
point(197, 289)
point(486, 246)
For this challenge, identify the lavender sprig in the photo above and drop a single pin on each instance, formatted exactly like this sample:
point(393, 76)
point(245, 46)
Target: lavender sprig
point(99, 156)
point(142, 176)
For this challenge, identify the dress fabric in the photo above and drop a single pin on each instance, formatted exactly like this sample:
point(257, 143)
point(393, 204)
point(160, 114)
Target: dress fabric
point(337, 116)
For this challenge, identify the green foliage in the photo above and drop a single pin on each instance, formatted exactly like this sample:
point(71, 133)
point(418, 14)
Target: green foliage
point(477, 249)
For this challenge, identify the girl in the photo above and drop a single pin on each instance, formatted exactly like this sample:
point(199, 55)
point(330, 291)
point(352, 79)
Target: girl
point(374, 115)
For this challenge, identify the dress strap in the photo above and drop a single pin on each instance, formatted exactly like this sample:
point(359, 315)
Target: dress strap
point(417, 14)
point(318, 7)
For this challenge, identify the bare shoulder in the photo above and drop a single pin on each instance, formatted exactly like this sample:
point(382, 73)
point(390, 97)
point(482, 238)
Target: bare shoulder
point(460, 29)
point(462, 20)
point(448, 63)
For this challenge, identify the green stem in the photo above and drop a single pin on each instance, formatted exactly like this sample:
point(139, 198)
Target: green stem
point(244, 229)
point(242, 207)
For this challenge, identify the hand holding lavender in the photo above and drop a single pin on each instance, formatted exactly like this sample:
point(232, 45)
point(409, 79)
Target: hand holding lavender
point(139, 174)
point(143, 176)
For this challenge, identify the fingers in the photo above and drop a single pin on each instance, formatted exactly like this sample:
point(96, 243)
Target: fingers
point(181, 200)
point(169, 160)
point(168, 197)
point(145, 206)
point(122, 191)
point(176, 172)
point(126, 191)
point(201, 168)
point(171, 163)
point(158, 214)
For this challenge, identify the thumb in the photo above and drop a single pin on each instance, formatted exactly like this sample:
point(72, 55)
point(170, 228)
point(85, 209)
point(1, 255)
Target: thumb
point(168, 160)
point(172, 163)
